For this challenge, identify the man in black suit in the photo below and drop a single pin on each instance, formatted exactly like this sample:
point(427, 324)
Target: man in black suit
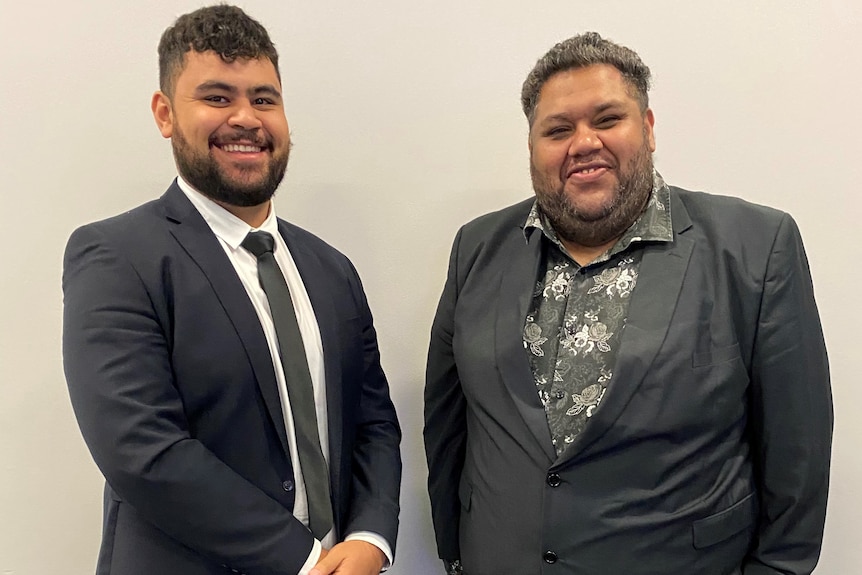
point(624, 377)
point(179, 370)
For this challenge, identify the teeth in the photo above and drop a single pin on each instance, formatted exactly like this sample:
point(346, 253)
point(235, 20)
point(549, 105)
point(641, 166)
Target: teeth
point(240, 148)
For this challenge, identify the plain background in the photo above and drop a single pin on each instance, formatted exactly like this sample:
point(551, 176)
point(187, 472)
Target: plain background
point(406, 123)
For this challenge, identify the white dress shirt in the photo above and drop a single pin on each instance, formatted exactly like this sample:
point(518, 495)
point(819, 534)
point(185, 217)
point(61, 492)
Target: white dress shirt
point(231, 231)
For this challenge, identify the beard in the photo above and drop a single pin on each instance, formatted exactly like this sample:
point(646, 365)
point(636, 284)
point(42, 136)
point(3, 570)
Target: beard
point(598, 227)
point(203, 172)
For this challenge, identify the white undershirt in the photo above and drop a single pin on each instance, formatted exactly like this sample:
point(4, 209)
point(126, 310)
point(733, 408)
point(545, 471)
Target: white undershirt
point(231, 231)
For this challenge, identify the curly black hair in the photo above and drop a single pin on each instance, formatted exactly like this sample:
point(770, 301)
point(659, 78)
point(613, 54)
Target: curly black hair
point(224, 29)
point(579, 52)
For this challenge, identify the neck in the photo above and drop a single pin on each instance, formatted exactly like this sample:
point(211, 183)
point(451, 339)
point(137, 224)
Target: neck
point(585, 255)
point(252, 215)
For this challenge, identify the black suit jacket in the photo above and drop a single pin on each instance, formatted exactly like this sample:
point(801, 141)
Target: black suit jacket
point(173, 387)
point(710, 451)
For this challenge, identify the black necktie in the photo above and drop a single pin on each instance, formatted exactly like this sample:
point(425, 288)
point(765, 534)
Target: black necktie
point(298, 378)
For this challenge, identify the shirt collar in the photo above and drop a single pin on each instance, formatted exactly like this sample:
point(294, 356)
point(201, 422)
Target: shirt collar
point(654, 224)
point(226, 226)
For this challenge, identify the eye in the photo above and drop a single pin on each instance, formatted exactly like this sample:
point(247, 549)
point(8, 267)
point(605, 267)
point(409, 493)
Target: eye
point(215, 99)
point(263, 102)
point(608, 121)
point(557, 132)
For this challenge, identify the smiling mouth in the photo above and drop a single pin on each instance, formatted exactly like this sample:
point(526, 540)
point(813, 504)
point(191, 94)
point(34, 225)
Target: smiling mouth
point(588, 173)
point(241, 142)
point(246, 148)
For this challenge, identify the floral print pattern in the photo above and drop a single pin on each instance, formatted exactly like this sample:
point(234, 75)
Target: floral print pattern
point(573, 328)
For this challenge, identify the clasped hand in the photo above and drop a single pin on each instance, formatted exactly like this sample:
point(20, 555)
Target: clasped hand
point(350, 558)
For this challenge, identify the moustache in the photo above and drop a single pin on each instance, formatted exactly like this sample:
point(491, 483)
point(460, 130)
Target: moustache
point(242, 136)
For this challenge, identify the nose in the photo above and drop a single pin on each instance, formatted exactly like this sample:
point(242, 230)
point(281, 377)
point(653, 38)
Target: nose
point(244, 116)
point(585, 141)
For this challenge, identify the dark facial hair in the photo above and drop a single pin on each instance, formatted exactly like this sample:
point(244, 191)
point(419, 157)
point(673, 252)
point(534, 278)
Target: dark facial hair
point(205, 175)
point(632, 193)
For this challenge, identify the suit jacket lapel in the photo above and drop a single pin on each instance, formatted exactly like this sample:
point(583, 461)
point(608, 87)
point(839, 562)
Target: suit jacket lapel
point(652, 306)
point(516, 292)
point(198, 240)
point(314, 279)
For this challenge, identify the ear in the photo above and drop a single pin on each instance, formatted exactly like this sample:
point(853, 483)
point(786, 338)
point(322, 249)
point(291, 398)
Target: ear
point(163, 114)
point(649, 122)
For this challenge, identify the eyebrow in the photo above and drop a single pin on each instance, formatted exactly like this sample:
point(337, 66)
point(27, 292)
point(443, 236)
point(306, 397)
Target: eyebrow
point(608, 105)
point(562, 116)
point(263, 89)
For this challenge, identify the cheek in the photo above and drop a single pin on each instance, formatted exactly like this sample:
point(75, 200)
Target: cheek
point(620, 149)
point(203, 123)
point(548, 159)
point(275, 124)
point(628, 144)
point(280, 131)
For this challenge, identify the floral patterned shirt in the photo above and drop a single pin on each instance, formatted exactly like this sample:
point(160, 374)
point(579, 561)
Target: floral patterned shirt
point(572, 330)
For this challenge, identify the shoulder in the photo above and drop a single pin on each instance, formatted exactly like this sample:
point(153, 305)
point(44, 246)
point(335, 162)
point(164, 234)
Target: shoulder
point(717, 209)
point(297, 237)
point(134, 228)
point(306, 247)
point(514, 215)
point(496, 225)
point(117, 255)
point(732, 230)
point(727, 221)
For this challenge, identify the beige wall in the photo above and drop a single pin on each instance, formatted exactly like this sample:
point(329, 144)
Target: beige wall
point(406, 123)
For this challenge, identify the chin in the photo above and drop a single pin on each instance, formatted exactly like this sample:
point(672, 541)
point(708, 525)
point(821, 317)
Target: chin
point(593, 209)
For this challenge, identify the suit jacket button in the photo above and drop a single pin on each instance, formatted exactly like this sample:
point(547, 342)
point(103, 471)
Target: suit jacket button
point(550, 557)
point(287, 485)
point(554, 479)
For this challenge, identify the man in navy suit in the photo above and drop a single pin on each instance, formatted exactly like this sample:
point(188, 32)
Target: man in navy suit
point(173, 359)
point(624, 377)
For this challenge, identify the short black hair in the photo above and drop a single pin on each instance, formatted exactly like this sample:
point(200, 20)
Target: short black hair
point(580, 51)
point(223, 29)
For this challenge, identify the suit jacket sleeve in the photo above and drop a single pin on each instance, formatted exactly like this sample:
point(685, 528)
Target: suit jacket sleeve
point(376, 459)
point(117, 360)
point(445, 418)
point(791, 415)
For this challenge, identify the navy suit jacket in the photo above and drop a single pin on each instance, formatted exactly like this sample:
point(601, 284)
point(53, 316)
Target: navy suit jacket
point(174, 390)
point(710, 451)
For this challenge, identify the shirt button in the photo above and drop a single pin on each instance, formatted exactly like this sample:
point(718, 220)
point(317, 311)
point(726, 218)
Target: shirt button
point(550, 557)
point(287, 485)
point(554, 480)
point(559, 394)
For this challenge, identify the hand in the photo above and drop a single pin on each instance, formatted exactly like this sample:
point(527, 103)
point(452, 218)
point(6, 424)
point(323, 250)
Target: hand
point(350, 558)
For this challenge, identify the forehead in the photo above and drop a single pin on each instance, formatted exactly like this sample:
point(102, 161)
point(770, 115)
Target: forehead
point(202, 67)
point(595, 85)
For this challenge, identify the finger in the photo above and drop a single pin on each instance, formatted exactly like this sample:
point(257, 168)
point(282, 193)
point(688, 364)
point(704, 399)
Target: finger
point(326, 565)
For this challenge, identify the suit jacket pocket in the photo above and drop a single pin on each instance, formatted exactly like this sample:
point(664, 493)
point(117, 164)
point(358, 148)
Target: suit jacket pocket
point(724, 524)
point(465, 493)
